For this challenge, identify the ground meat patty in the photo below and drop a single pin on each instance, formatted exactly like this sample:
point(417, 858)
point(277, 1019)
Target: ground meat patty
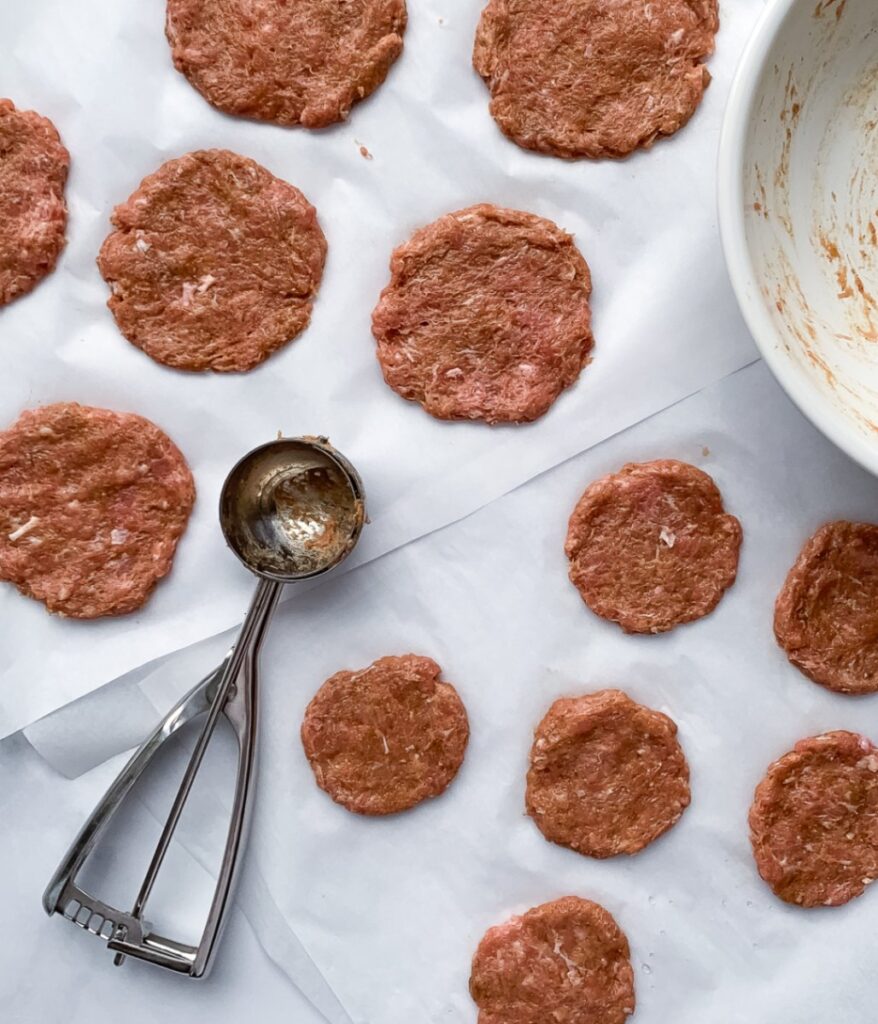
point(304, 62)
point(214, 263)
point(486, 316)
point(590, 78)
point(814, 821)
point(33, 213)
point(566, 962)
point(826, 615)
point(607, 776)
point(92, 505)
point(650, 547)
point(387, 737)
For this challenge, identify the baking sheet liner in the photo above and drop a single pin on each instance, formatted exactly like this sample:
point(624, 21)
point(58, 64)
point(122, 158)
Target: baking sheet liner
point(664, 317)
point(390, 910)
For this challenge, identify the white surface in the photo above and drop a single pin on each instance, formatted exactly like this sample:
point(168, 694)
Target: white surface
point(801, 141)
point(392, 909)
point(51, 971)
point(664, 316)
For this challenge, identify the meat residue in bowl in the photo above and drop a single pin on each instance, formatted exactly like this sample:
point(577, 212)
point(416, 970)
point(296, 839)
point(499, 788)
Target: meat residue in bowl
point(846, 228)
point(830, 6)
point(813, 200)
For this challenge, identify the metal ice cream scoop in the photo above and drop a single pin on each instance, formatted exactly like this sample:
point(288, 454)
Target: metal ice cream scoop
point(290, 510)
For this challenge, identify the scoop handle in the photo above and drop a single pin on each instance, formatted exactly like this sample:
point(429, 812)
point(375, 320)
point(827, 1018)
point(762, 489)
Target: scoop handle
point(241, 709)
point(243, 653)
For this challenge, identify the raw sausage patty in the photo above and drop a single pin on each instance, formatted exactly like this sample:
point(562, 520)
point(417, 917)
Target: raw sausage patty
point(486, 316)
point(92, 505)
point(33, 213)
point(214, 263)
point(826, 615)
point(565, 962)
point(814, 821)
point(607, 776)
point(590, 78)
point(387, 737)
point(301, 62)
point(651, 547)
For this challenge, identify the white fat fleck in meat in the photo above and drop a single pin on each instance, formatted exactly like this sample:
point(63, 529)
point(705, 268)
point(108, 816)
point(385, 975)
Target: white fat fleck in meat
point(189, 290)
point(118, 536)
point(572, 967)
point(384, 743)
point(677, 37)
point(667, 537)
point(46, 431)
point(204, 283)
point(141, 245)
point(455, 371)
point(24, 528)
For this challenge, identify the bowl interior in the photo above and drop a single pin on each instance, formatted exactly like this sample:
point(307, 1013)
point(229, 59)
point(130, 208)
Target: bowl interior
point(808, 210)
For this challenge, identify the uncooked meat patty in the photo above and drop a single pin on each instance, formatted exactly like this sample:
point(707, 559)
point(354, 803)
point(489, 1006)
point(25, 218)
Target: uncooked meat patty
point(387, 737)
point(651, 547)
point(92, 505)
point(607, 776)
point(33, 213)
point(589, 78)
point(303, 62)
point(214, 263)
point(826, 615)
point(814, 821)
point(565, 962)
point(486, 316)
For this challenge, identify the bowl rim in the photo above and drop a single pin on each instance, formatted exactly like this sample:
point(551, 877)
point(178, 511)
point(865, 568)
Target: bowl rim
point(731, 210)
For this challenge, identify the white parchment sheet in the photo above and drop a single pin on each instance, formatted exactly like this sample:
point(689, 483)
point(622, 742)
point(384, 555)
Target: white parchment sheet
point(52, 972)
point(390, 910)
point(664, 317)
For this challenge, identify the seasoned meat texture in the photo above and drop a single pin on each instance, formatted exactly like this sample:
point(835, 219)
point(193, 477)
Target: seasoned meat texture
point(566, 962)
point(33, 213)
point(387, 737)
point(607, 776)
point(92, 505)
point(214, 263)
point(826, 615)
point(304, 62)
point(651, 547)
point(594, 78)
point(814, 821)
point(486, 316)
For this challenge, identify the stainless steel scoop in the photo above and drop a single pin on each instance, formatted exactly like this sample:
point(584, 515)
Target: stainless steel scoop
point(291, 510)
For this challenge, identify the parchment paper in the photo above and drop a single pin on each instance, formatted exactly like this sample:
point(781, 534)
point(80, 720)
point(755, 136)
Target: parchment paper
point(52, 971)
point(391, 909)
point(664, 318)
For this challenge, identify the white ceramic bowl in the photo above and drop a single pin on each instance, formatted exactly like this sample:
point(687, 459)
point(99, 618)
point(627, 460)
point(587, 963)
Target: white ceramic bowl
point(798, 204)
